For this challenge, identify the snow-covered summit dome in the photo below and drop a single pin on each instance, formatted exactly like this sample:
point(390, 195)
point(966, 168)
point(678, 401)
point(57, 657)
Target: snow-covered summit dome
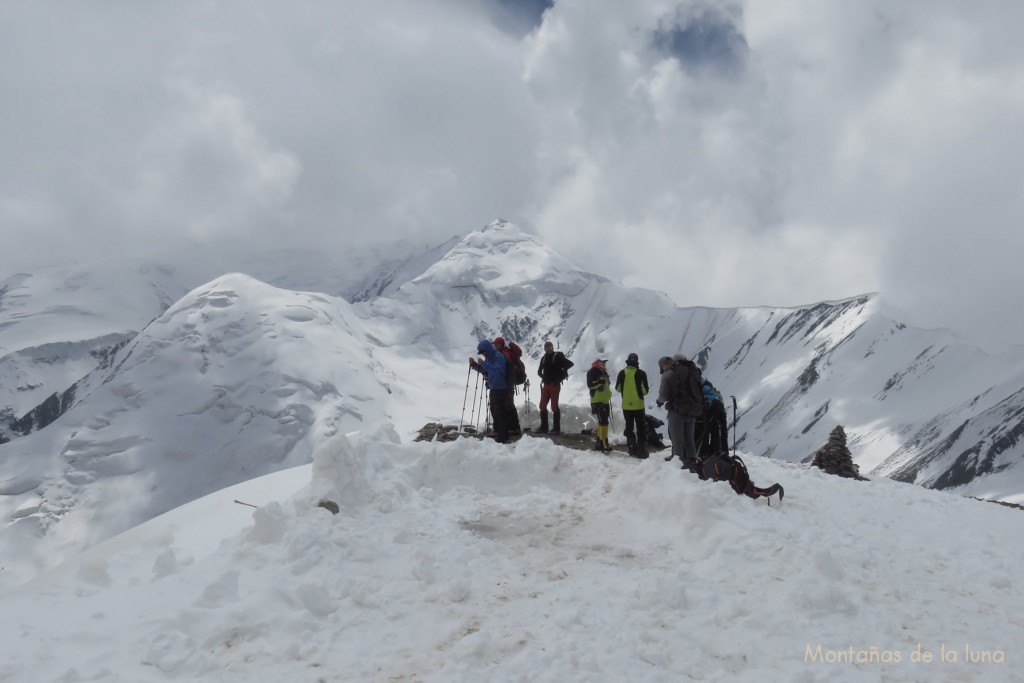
point(500, 255)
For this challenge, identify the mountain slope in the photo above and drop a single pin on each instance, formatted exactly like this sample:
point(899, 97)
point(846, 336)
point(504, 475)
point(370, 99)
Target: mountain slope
point(59, 323)
point(232, 381)
point(240, 378)
point(796, 372)
point(470, 561)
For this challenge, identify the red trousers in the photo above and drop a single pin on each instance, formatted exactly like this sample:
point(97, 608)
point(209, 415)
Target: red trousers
point(549, 392)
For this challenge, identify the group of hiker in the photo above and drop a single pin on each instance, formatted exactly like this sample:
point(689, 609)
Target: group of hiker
point(689, 399)
point(503, 366)
point(693, 404)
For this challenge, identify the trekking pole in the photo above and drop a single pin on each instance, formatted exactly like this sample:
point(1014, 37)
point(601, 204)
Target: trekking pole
point(733, 425)
point(483, 402)
point(472, 414)
point(487, 413)
point(526, 390)
point(462, 417)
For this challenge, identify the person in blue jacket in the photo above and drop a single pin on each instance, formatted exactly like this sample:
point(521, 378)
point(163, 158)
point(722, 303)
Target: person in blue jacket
point(493, 367)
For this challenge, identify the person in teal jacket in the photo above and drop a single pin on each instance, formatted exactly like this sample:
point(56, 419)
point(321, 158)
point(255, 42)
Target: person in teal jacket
point(600, 388)
point(631, 383)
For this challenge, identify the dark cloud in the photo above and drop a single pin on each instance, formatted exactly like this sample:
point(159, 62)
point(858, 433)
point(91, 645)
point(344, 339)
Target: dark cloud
point(708, 39)
point(519, 17)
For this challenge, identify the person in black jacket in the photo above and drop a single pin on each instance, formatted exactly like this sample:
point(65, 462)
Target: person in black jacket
point(553, 370)
point(682, 396)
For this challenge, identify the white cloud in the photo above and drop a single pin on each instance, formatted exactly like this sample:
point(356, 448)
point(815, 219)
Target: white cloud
point(847, 148)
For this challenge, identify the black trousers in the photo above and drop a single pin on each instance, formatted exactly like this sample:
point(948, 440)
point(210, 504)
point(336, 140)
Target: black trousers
point(718, 427)
point(499, 413)
point(636, 427)
point(511, 413)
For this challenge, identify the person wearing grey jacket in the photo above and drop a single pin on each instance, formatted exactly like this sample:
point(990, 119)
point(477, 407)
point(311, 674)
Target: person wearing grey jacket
point(681, 394)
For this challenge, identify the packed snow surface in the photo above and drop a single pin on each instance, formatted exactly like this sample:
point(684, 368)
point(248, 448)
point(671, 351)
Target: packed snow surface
point(473, 561)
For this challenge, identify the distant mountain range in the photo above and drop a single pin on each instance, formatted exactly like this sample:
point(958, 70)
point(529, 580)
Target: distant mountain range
point(114, 377)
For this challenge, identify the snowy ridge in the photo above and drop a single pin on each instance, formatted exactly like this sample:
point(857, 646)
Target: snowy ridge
point(90, 305)
point(796, 372)
point(470, 561)
point(221, 384)
point(985, 442)
point(56, 326)
point(238, 377)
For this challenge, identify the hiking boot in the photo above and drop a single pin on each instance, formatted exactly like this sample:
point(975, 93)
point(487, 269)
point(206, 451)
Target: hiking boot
point(598, 446)
point(670, 456)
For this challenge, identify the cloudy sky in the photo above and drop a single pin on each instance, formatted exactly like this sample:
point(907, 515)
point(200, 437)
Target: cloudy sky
point(729, 153)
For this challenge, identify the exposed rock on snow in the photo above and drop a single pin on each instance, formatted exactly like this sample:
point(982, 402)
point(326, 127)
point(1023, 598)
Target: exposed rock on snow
point(835, 457)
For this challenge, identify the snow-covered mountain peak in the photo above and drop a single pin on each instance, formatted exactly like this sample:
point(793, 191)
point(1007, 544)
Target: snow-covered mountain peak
point(244, 374)
point(236, 379)
point(500, 255)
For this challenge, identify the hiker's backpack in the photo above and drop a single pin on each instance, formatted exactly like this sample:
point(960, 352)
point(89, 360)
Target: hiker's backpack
point(515, 354)
point(651, 425)
point(563, 365)
point(731, 468)
point(711, 394)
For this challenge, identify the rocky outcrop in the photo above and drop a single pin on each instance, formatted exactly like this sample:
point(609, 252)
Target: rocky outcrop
point(45, 413)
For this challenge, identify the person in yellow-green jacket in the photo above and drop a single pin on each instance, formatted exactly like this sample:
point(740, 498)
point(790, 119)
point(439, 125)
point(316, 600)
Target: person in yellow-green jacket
point(631, 382)
point(600, 400)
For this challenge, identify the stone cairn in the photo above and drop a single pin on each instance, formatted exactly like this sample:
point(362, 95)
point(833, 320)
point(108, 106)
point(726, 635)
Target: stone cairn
point(835, 458)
